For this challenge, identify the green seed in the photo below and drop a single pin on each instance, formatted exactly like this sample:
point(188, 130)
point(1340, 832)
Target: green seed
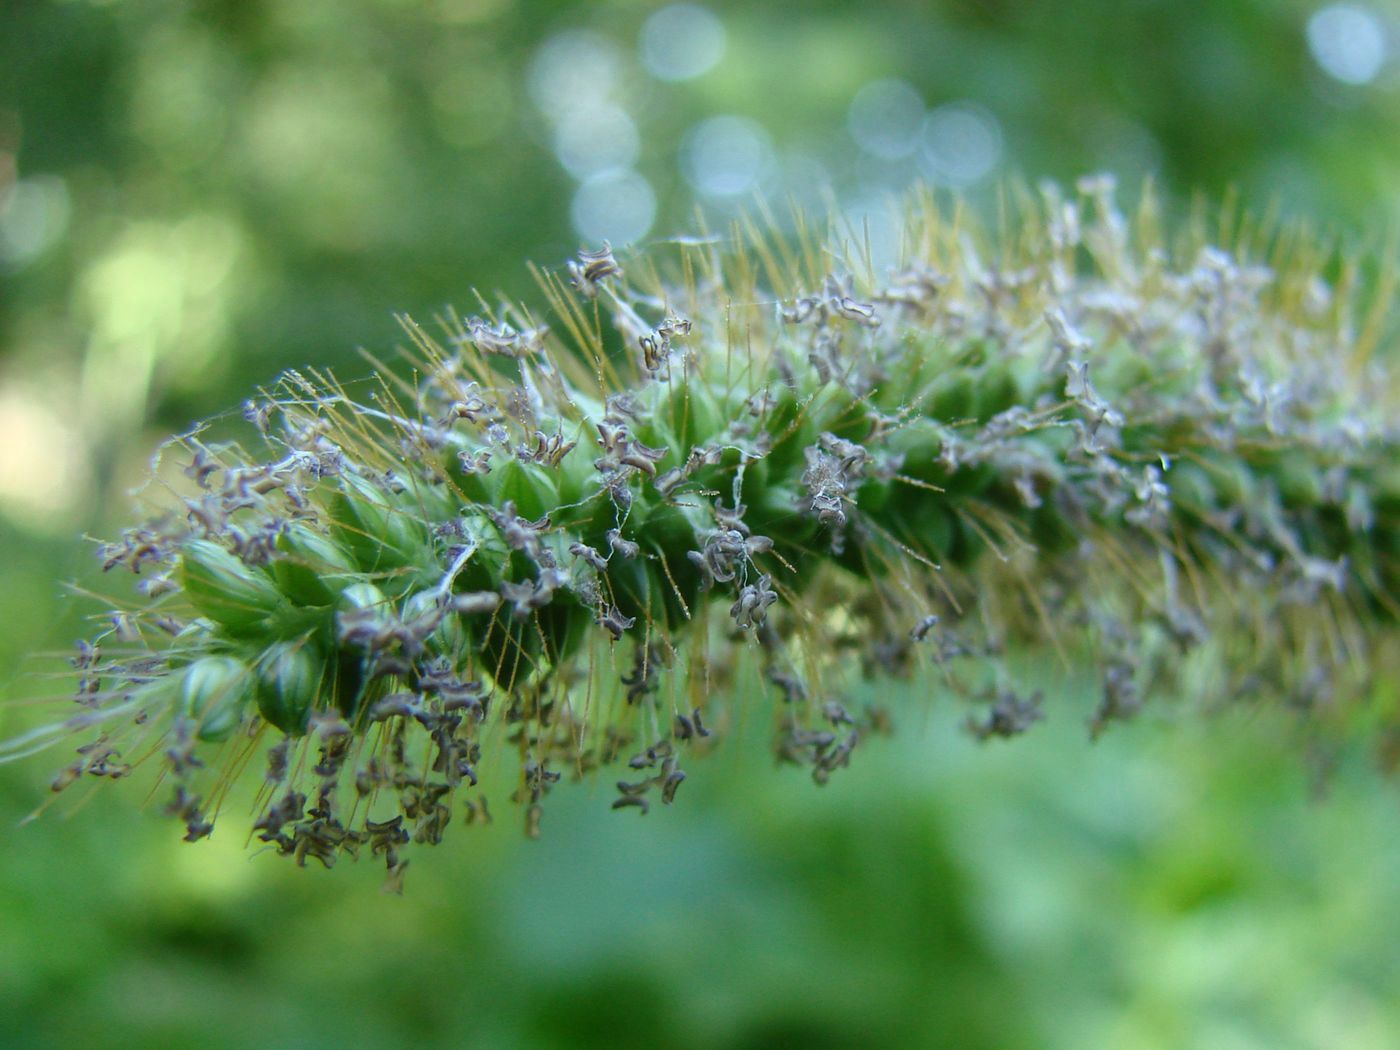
point(362, 596)
point(215, 690)
point(383, 532)
point(289, 684)
point(1299, 480)
point(232, 594)
point(316, 568)
point(1191, 487)
point(530, 487)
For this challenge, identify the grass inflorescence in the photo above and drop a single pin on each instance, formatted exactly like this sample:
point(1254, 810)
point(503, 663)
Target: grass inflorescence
point(538, 551)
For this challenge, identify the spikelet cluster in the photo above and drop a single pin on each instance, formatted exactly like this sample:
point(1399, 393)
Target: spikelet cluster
point(547, 545)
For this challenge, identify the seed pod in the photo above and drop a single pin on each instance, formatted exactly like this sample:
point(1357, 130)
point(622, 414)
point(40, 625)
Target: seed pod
point(214, 691)
point(236, 596)
point(289, 684)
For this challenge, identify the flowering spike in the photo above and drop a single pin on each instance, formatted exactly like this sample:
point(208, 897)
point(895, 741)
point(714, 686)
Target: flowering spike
point(1160, 465)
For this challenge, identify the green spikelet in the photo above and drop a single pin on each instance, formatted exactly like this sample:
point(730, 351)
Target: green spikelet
point(240, 598)
point(310, 567)
point(289, 683)
point(1176, 469)
point(214, 692)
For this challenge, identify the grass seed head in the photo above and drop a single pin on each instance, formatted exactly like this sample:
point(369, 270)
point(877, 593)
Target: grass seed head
point(757, 454)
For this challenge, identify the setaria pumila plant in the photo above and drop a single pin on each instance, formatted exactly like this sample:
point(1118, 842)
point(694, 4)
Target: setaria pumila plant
point(752, 471)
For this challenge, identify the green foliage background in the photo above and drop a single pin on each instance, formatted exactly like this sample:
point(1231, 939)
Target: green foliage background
point(236, 187)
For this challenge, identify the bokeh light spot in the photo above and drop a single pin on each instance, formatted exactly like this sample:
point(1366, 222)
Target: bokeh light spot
point(1349, 42)
point(618, 207)
point(44, 468)
point(681, 42)
point(597, 140)
point(961, 144)
point(727, 156)
point(885, 119)
point(875, 224)
point(33, 217)
point(574, 72)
